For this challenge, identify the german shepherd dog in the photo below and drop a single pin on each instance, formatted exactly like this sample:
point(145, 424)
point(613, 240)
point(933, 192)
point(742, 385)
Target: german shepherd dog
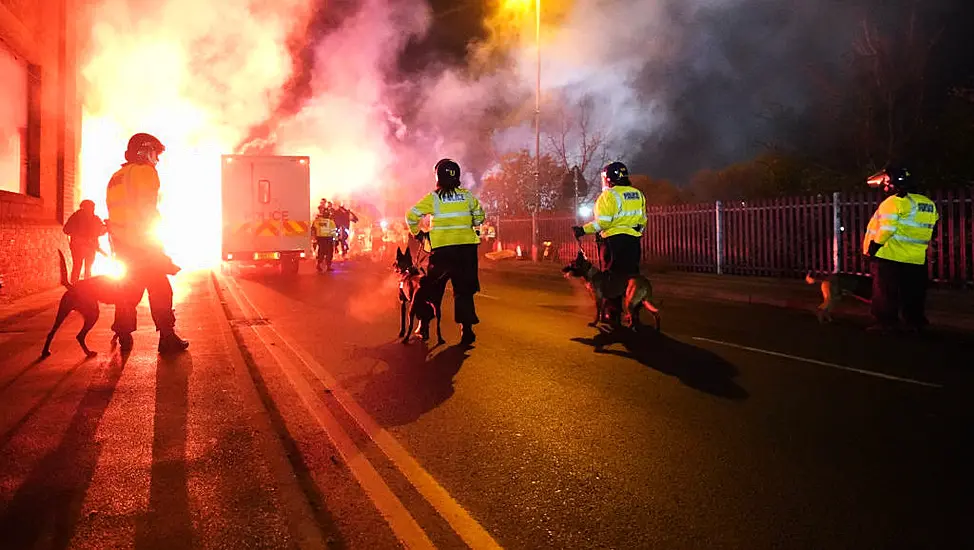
point(414, 299)
point(83, 297)
point(637, 291)
point(836, 286)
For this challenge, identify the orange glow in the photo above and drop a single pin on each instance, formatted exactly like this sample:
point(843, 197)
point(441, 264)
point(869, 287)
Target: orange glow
point(176, 78)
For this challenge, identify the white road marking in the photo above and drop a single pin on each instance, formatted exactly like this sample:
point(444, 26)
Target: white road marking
point(817, 362)
point(488, 296)
point(462, 523)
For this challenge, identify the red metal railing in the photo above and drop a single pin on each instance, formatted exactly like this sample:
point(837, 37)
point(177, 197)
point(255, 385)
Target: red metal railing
point(785, 237)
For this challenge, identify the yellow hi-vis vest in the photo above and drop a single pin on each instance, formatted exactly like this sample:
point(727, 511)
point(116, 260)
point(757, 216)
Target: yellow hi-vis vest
point(132, 199)
point(904, 227)
point(454, 218)
point(323, 227)
point(618, 211)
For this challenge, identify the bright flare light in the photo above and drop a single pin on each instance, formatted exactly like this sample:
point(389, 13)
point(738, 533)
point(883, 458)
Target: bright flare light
point(384, 225)
point(584, 211)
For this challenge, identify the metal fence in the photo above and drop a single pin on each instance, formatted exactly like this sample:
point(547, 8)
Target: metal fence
point(785, 237)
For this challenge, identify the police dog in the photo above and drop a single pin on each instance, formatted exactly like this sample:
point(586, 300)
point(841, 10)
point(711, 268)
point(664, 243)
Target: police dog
point(637, 291)
point(836, 286)
point(415, 300)
point(83, 297)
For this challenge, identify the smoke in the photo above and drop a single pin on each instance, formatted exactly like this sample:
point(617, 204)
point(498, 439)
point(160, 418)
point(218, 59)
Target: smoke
point(678, 85)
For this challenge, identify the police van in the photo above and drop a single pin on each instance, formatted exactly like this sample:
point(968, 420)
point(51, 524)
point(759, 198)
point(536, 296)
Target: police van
point(266, 212)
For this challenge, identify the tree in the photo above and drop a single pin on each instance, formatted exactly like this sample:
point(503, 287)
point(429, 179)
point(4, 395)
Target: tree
point(575, 140)
point(510, 189)
point(891, 84)
point(657, 191)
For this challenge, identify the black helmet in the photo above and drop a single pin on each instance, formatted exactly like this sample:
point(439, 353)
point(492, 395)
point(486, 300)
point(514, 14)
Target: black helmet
point(141, 144)
point(447, 173)
point(893, 179)
point(616, 173)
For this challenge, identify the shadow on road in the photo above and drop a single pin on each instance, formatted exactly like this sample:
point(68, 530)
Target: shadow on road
point(48, 504)
point(405, 381)
point(696, 367)
point(167, 523)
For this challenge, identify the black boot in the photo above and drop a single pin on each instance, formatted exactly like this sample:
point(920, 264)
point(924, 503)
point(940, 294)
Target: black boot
point(467, 336)
point(125, 343)
point(170, 343)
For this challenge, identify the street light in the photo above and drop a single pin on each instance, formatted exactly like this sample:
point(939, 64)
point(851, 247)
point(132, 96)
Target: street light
point(537, 134)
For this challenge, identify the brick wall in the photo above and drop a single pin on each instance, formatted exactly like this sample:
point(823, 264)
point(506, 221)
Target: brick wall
point(43, 34)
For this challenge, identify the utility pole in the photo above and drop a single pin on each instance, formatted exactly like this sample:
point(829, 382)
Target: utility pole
point(537, 137)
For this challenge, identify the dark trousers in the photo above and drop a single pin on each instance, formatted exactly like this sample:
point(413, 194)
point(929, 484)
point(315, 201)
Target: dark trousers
point(81, 255)
point(343, 240)
point(326, 250)
point(145, 271)
point(160, 301)
point(457, 264)
point(621, 255)
point(899, 288)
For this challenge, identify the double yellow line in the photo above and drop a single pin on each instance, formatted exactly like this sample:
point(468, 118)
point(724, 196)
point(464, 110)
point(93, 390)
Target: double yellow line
point(403, 524)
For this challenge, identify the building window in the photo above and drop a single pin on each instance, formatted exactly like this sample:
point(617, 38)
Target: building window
point(13, 123)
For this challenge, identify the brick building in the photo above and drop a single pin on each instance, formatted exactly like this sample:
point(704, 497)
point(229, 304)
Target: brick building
point(40, 120)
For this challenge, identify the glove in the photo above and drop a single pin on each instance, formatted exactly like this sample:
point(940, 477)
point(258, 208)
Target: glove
point(873, 249)
point(638, 228)
point(578, 231)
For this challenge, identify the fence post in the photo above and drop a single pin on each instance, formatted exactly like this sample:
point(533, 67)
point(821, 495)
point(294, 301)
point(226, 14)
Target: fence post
point(719, 252)
point(836, 233)
point(534, 236)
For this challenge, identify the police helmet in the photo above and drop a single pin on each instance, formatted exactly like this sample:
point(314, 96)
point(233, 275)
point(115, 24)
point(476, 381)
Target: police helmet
point(141, 144)
point(447, 173)
point(894, 178)
point(615, 173)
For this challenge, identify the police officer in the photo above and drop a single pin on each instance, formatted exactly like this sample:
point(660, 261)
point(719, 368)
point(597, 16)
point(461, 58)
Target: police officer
point(132, 200)
point(453, 242)
point(84, 227)
point(323, 232)
point(619, 219)
point(896, 239)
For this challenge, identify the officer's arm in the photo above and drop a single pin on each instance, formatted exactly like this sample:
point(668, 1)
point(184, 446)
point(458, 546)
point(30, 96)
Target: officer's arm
point(476, 211)
point(422, 208)
point(642, 210)
point(603, 213)
point(888, 217)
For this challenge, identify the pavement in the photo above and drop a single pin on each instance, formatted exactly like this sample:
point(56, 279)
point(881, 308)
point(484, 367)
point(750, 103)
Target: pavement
point(298, 420)
point(953, 309)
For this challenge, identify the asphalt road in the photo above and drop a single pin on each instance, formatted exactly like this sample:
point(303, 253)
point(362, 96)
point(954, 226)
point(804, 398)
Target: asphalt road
point(306, 423)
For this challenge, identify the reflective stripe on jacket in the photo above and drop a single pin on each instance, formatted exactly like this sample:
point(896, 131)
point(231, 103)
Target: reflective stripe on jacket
point(618, 211)
point(454, 218)
point(132, 199)
point(904, 227)
point(323, 227)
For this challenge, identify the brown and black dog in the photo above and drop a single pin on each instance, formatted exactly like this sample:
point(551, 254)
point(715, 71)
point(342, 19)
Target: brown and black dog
point(83, 297)
point(836, 286)
point(637, 291)
point(414, 299)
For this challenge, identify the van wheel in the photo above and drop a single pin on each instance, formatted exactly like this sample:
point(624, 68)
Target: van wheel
point(290, 266)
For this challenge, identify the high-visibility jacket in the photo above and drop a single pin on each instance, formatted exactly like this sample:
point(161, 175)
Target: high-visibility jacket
point(132, 199)
point(323, 226)
point(904, 227)
point(454, 218)
point(619, 210)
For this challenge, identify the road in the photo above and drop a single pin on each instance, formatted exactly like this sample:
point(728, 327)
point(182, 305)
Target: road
point(304, 423)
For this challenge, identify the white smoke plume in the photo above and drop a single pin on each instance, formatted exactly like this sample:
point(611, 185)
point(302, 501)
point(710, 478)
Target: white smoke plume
point(678, 85)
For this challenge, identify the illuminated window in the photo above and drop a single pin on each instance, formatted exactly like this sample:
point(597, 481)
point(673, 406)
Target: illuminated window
point(13, 122)
point(264, 191)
